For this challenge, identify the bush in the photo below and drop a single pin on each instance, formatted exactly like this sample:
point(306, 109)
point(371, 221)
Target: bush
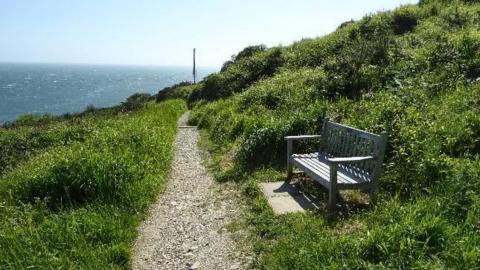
point(136, 101)
point(239, 74)
point(172, 92)
point(314, 52)
point(33, 120)
point(404, 21)
point(246, 52)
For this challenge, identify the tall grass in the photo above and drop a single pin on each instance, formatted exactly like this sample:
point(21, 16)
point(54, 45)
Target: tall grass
point(19, 144)
point(30, 134)
point(413, 72)
point(76, 205)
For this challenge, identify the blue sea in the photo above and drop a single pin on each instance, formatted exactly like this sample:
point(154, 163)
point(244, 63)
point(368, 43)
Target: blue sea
point(59, 88)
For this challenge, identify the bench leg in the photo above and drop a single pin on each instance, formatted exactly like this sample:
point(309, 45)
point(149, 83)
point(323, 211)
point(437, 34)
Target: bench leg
point(373, 195)
point(332, 194)
point(289, 162)
point(289, 170)
point(332, 199)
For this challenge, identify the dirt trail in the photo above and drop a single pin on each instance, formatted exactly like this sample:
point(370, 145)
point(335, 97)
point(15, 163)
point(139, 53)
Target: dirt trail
point(186, 226)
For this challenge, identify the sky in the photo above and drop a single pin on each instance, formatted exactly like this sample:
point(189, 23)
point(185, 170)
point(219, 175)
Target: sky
point(163, 32)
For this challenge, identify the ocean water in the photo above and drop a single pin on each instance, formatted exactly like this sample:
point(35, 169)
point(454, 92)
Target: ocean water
point(58, 89)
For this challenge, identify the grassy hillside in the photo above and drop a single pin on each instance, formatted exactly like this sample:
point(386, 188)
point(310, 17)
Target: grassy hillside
point(413, 72)
point(73, 191)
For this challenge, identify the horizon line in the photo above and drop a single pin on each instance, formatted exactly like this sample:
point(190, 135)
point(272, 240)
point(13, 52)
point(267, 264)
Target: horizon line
point(102, 64)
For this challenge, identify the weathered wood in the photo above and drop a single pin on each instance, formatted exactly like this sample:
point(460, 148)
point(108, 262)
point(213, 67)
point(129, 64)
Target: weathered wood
point(290, 140)
point(302, 137)
point(323, 143)
point(332, 195)
point(348, 158)
point(289, 163)
point(318, 168)
point(354, 131)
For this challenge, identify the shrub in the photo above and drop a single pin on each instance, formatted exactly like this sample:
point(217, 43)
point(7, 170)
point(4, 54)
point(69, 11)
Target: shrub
point(239, 75)
point(33, 120)
point(404, 21)
point(246, 52)
point(90, 109)
point(136, 101)
point(358, 68)
point(344, 24)
point(264, 142)
point(172, 92)
point(314, 52)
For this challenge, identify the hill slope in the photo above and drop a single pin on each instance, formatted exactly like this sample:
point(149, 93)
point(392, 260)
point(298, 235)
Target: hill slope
point(73, 190)
point(413, 72)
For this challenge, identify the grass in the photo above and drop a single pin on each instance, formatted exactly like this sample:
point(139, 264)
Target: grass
point(413, 72)
point(31, 134)
point(435, 231)
point(75, 203)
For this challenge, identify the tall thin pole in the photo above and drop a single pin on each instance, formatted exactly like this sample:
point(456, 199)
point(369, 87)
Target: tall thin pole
point(194, 68)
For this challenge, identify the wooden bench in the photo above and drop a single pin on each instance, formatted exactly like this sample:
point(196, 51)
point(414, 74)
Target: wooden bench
point(347, 158)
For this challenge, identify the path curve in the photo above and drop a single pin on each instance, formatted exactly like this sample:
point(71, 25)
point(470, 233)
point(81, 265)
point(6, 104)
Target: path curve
point(186, 226)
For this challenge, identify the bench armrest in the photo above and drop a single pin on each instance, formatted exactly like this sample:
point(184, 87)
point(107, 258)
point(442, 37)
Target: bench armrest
point(302, 137)
point(349, 159)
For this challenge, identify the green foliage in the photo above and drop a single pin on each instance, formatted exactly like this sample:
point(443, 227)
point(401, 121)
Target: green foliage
point(413, 72)
point(136, 101)
point(30, 134)
point(238, 75)
point(246, 52)
point(20, 143)
point(313, 52)
point(179, 90)
point(75, 202)
point(404, 21)
point(261, 117)
point(33, 119)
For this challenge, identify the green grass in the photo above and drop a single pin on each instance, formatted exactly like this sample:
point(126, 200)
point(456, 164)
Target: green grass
point(18, 144)
point(413, 72)
point(432, 231)
point(73, 193)
point(31, 134)
point(75, 203)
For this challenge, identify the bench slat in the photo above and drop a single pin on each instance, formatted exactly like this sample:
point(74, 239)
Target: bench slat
point(319, 167)
point(346, 144)
point(353, 131)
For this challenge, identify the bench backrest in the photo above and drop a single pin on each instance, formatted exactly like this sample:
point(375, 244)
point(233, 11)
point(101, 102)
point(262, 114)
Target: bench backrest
point(344, 141)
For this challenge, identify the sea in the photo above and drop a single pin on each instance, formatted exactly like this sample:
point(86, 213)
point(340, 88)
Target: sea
point(67, 88)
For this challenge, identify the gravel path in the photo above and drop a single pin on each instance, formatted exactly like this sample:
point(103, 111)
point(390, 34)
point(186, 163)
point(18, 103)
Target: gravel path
point(186, 227)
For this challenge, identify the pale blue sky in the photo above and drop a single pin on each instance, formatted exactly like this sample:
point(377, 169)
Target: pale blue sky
point(163, 32)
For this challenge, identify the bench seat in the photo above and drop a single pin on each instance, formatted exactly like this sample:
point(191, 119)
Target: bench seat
point(347, 158)
point(317, 167)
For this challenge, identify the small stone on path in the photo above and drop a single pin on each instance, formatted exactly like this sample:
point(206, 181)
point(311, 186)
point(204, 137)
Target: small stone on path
point(194, 266)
